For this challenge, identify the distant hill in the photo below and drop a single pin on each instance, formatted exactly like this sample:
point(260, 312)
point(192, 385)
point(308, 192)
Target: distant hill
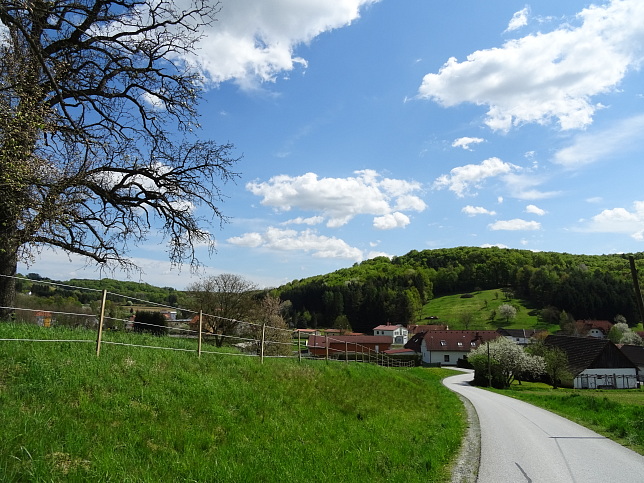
point(381, 290)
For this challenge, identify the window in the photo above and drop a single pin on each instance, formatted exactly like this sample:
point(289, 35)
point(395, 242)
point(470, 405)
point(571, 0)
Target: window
point(460, 344)
point(443, 343)
point(446, 358)
point(473, 343)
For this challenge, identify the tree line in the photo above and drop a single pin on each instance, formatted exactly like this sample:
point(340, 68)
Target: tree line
point(382, 291)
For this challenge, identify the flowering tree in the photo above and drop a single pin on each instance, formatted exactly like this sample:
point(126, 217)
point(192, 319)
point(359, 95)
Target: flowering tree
point(507, 362)
point(508, 312)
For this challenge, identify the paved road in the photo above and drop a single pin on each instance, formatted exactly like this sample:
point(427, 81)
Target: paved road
point(523, 443)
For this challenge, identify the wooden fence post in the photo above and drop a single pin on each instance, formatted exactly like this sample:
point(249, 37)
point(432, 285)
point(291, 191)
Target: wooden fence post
point(261, 349)
point(200, 329)
point(100, 324)
point(346, 351)
point(326, 343)
point(299, 348)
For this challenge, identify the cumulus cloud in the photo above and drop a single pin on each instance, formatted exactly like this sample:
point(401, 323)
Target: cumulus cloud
point(620, 220)
point(589, 148)
point(496, 245)
point(462, 179)
point(340, 199)
point(465, 142)
point(306, 241)
point(254, 40)
point(390, 221)
point(312, 220)
point(549, 76)
point(477, 210)
point(518, 20)
point(514, 225)
point(535, 210)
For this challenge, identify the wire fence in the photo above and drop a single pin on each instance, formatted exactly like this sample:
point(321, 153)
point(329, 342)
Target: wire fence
point(197, 332)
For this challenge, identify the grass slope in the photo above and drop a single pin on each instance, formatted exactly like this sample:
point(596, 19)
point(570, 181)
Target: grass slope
point(138, 414)
point(450, 309)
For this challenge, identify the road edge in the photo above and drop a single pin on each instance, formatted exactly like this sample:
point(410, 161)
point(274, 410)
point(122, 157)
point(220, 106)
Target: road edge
point(466, 469)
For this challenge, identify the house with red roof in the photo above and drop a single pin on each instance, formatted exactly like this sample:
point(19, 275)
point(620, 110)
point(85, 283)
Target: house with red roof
point(398, 333)
point(447, 347)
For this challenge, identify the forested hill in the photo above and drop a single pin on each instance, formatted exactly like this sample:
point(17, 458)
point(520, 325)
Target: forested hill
point(381, 290)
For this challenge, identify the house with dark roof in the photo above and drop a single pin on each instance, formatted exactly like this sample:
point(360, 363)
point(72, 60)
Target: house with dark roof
point(416, 329)
point(342, 345)
point(636, 355)
point(447, 347)
point(595, 363)
point(594, 328)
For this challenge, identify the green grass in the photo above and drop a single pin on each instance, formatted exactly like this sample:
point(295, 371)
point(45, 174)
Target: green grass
point(449, 308)
point(138, 414)
point(616, 414)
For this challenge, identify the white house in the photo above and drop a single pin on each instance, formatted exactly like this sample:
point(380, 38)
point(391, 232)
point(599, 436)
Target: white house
point(398, 333)
point(447, 347)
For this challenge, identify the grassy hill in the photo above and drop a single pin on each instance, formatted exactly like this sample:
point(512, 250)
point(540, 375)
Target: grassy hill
point(139, 414)
point(480, 310)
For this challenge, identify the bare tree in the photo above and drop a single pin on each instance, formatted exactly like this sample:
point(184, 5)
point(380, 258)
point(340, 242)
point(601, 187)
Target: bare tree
point(97, 113)
point(226, 300)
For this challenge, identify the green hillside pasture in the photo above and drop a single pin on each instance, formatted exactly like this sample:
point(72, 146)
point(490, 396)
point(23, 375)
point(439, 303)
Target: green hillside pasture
point(617, 414)
point(450, 309)
point(139, 414)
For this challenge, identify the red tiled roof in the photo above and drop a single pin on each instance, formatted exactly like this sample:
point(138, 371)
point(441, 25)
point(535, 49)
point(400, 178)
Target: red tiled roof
point(320, 340)
point(415, 329)
point(457, 340)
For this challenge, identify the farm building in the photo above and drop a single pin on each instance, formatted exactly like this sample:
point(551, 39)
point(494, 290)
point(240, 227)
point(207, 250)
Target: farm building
point(595, 363)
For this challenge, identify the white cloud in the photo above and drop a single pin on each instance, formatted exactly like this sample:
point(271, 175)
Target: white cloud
point(254, 40)
point(518, 20)
point(523, 186)
point(514, 225)
point(390, 221)
point(305, 241)
point(465, 142)
point(590, 148)
point(546, 76)
point(620, 220)
point(497, 245)
point(477, 210)
point(461, 179)
point(313, 220)
point(535, 210)
point(340, 199)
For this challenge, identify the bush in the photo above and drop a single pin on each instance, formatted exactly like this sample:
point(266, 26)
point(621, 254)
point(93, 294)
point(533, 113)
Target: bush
point(151, 322)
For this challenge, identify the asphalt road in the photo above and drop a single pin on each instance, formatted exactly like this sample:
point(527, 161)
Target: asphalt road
point(523, 443)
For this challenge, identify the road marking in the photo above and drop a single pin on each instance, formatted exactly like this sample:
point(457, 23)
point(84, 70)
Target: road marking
point(527, 478)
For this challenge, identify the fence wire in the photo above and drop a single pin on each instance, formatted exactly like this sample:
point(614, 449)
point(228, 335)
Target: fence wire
point(248, 346)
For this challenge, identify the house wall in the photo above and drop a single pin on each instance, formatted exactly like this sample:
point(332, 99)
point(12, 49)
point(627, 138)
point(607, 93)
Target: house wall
point(625, 378)
point(433, 357)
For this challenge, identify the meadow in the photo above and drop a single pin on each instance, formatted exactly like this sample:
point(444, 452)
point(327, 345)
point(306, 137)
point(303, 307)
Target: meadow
point(140, 414)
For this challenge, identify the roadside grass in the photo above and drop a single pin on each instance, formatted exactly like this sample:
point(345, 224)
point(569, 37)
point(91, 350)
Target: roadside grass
point(449, 310)
point(139, 414)
point(617, 414)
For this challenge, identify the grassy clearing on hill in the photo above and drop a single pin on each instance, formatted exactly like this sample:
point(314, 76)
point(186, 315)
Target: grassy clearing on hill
point(138, 414)
point(617, 414)
point(450, 309)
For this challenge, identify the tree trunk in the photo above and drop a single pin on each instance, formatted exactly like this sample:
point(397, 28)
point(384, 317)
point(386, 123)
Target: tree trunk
point(8, 268)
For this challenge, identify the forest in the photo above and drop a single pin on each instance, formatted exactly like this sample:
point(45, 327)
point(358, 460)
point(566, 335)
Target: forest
point(383, 290)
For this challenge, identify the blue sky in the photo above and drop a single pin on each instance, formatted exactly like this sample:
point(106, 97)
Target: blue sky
point(378, 127)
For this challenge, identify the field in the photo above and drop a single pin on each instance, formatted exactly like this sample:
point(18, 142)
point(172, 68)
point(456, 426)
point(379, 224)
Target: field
point(617, 414)
point(453, 310)
point(140, 414)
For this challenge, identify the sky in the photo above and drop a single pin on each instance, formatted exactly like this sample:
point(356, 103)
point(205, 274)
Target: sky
point(375, 127)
